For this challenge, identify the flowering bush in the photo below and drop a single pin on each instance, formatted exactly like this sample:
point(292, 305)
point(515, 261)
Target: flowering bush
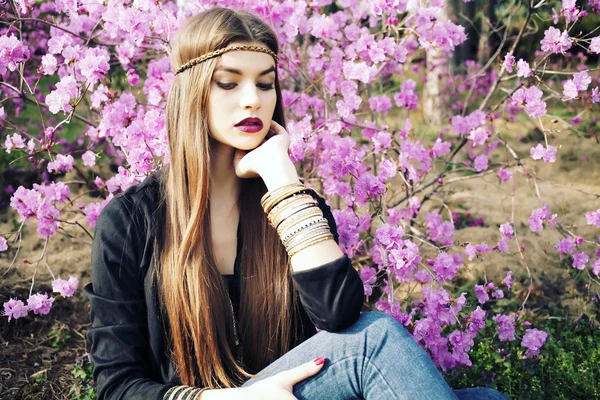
point(358, 65)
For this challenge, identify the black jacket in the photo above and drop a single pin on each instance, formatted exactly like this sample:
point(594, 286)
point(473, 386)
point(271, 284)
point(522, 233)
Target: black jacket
point(127, 344)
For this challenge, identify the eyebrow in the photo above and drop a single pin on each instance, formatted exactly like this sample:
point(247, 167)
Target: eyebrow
point(238, 72)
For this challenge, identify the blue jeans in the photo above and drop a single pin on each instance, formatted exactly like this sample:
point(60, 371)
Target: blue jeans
point(375, 358)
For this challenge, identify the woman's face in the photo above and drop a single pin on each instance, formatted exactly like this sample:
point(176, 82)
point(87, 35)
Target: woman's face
point(243, 86)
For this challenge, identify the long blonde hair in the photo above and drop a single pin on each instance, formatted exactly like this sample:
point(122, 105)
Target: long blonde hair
point(198, 312)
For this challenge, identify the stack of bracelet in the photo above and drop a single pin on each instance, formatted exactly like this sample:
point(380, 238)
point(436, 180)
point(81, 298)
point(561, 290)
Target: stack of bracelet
point(296, 216)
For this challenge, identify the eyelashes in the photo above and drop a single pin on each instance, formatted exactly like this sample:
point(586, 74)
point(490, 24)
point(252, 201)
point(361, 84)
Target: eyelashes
point(261, 86)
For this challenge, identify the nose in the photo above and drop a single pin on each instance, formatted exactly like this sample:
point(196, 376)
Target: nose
point(250, 97)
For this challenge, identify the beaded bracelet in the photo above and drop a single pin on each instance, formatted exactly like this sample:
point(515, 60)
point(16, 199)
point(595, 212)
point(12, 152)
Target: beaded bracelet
point(307, 245)
point(287, 235)
point(288, 204)
point(307, 234)
point(282, 215)
point(275, 196)
point(298, 216)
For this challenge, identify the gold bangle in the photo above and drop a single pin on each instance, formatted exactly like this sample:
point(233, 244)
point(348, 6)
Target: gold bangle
point(275, 196)
point(268, 207)
point(290, 202)
point(306, 234)
point(287, 235)
point(277, 217)
point(299, 249)
point(278, 191)
point(298, 216)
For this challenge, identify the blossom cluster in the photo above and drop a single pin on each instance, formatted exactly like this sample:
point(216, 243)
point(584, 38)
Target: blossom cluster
point(38, 303)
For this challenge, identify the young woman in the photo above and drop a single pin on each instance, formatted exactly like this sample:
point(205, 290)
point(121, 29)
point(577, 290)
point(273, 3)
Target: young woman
point(210, 277)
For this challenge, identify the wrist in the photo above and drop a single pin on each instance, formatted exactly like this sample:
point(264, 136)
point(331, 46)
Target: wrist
point(284, 173)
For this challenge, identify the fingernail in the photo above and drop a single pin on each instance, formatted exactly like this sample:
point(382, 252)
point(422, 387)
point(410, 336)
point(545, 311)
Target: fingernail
point(319, 361)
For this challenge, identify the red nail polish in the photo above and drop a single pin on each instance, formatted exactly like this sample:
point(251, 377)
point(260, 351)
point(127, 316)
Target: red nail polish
point(319, 361)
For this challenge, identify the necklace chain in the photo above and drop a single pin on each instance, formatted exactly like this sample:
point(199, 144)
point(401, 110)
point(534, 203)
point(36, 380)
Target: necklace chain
point(235, 333)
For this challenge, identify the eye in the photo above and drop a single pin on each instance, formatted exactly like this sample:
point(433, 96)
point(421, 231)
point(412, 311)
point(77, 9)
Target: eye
point(265, 86)
point(226, 86)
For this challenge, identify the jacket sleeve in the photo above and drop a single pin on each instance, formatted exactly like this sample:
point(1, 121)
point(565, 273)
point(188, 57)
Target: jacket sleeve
point(118, 336)
point(333, 293)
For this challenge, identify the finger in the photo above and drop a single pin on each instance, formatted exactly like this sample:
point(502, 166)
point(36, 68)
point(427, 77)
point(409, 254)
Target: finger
point(279, 130)
point(276, 126)
point(301, 372)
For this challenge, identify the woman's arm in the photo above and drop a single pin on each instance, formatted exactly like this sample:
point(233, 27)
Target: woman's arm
point(330, 289)
point(118, 335)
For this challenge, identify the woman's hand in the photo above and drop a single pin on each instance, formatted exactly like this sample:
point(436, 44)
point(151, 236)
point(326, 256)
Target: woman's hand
point(280, 386)
point(270, 160)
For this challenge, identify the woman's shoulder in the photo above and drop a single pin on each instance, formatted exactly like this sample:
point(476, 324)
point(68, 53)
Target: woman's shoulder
point(137, 204)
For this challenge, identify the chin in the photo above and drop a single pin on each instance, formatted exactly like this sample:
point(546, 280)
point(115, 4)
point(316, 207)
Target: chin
point(247, 144)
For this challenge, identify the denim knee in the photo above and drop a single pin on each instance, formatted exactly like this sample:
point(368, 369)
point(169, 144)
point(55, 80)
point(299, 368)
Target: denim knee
point(378, 321)
point(382, 319)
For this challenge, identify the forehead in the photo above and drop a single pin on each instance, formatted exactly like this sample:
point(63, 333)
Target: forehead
point(248, 62)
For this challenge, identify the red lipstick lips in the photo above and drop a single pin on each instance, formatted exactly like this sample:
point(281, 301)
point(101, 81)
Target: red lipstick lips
point(250, 125)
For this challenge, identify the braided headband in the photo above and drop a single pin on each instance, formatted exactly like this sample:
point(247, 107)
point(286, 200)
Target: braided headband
point(217, 53)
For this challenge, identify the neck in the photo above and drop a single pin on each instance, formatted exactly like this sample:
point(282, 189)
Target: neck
point(224, 183)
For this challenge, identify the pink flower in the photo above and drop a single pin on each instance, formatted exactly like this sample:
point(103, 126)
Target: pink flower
point(12, 52)
point(595, 45)
point(479, 135)
point(439, 231)
point(523, 69)
point(533, 340)
point(40, 304)
point(3, 244)
point(26, 202)
point(539, 216)
point(14, 308)
point(509, 62)
point(61, 164)
point(504, 175)
point(446, 265)
point(481, 294)
point(49, 64)
point(64, 287)
point(570, 90)
point(380, 103)
point(531, 98)
point(92, 211)
point(580, 260)
point(94, 64)
point(595, 96)
point(508, 281)
point(570, 11)
point(59, 99)
point(407, 97)
point(506, 327)
point(441, 148)
point(502, 245)
point(565, 246)
point(481, 163)
point(359, 71)
point(89, 158)
point(387, 170)
point(556, 42)
point(593, 218)
point(596, 267)
point(506, 230)
point(547, 154)
point(48, 219)
point(132, 77)
point(582, 80)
